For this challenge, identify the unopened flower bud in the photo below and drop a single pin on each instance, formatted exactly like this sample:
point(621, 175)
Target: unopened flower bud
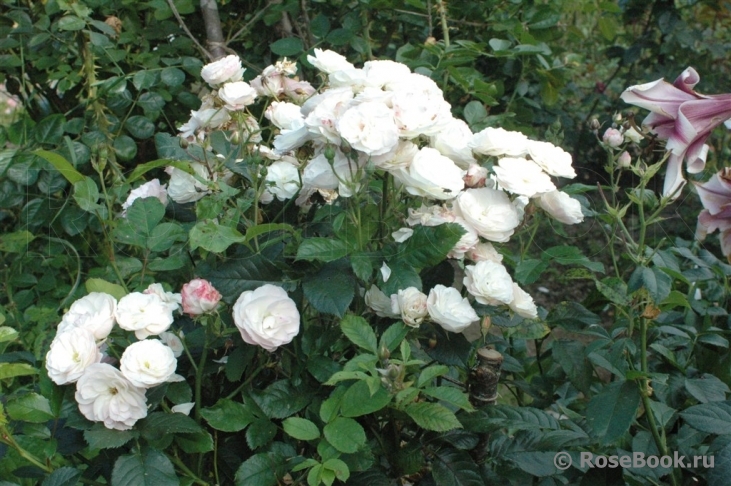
point(617, 118)
point(384, 353)
point(624, 160)
point(613, 137)
point(329, 153)
point(183, 142)
point(476, 176)
point(430, 41)
point(594, 124)
point(235, 138)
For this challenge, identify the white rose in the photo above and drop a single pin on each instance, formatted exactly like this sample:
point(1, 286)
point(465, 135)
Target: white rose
point(224, 70)
point(329, 61)
point(183, 408)
point(148, 189)
point(468, 241)
point(552, 159)
point(292, 138)
point(269, 83)
point(171, 299)
point(449, 309)
point(94, 312)
point(266, 317)
point(401, 235)
point(370, 128)
point(379, 74)
point(105, 395)
point(145, 314)
point(489, 283)
point(183, 187)
point(522, 303)
point(283, 179)
point(323, 110)
point(490, 212)
point(148, 363)
point(211, 118)
point(298, 91)
point(453, 142)
point(420, 109)
point(411, 305)
point(498, 141)
point(523, 177)
point(173, 342)
point(520, 204)
point(431, 175)
point(285, 115)
point(70, 354)
point(379, 303)
point(632, 135)
point(237, 95)
point(562, 207)
point(484, 251)
point(400, 156)
point(321, 175)
point(349, 78)
point(476, 176)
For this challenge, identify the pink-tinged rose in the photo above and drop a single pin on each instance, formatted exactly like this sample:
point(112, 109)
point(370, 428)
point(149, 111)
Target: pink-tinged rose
point(624, 160)
point(683, 117)
point(224, 70)
point(715, 196)
point(476, 176)
point(613, 137)
point(199, 297)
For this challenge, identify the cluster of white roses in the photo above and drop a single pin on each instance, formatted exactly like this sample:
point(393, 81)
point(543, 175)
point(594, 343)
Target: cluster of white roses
point(384, 117)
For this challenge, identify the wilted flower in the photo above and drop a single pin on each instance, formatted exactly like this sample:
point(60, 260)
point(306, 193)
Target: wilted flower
point(184, 187)
point(105, 395)
point(683, 117)
point(401, 235)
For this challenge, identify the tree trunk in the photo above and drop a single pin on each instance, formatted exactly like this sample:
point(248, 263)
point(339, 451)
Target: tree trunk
point(214, 35)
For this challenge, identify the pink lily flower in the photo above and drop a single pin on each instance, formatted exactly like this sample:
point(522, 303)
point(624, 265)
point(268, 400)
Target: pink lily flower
point(683, 117)
point(715, 196)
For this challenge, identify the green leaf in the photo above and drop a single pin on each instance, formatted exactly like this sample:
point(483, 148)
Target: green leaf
point(125, 147)
point(489, 419)
point(452, 467)
point(612, 411)
point(142, 169)
point(474, 112)
point(227, 416)
point(323, 249)
point(280, 399)
point(214, 237)
point(50, 129)
point(499, 44)
point(570, 255)
point(614, 289)
point(7, 333)
point(11, 370)
point(393, 335)
point(197, 443)
point(257, 470)
point(16, 242)
point(158, 424)
point(100, 437)
point(529, 271)
point(99, 285)
point(260, 433)
point(151, 468)
point(248, 271)
point(301, 429)
point(345, 435)
point(720, 472)
point(331, 290)
point(172, 76)
point(341, 470)
point(140, 127)
point(290, 46)
point(86, 194)
point(359, 332)
point(71, 22)
point(402, 277)
point(145, 79)
point(30, 407)
point(261, 229)
point(706, 389)
point(429, 245)
point(711, 417)
point(449, 394)
point(431, 372)
point(164, 235)
point(64, 476)
point(357, 400)
point(432, 416)
point(572, 358)
point(657, 282)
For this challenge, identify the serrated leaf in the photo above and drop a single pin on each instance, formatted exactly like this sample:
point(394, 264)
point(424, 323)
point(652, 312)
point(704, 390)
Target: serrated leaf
point(290, 46)
point(172, 76)
point(197, 443)
point(432, 416)
point(63, 476)
point(151, 468)
point(429, 245)
point(214, 237)
point(571, 357)
point(63, 166)
point(331, 290)
point(30, 407)
point(712, 417)
point(257, 470)
point(657, 283)
point(345, 435)
point(529, 271)
point(50, 129)
point(281, 399)
point(570, 255)
point(322, 249)
point(16, 242)
point(612, 411)
point(357, 400)
point(140, 127)
point(260, 433)
point(359, 332)
point(157, 424)
point(100, 437)
point(241, 273)
point(393, 335)
point(301, 429)
point(402, 277)
point(431, 372)
point(451, 395)
point(706, 389)
point(7, 333)
point(227, 416)
point(455, 468)
point(614, 289)
point(86, 194)
point(11, 370)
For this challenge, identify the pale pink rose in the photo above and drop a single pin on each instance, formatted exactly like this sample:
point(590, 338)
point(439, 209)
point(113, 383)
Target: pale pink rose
point(624, 160)
point(476, 176)
point(199, 297)
point(613, 137)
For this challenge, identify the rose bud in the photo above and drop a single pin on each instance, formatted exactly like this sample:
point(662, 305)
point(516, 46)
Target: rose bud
point(199, 297)
point(476, 176)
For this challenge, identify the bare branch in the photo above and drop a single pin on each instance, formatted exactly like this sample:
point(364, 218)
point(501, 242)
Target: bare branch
point(251, 22)
point(185, 29)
